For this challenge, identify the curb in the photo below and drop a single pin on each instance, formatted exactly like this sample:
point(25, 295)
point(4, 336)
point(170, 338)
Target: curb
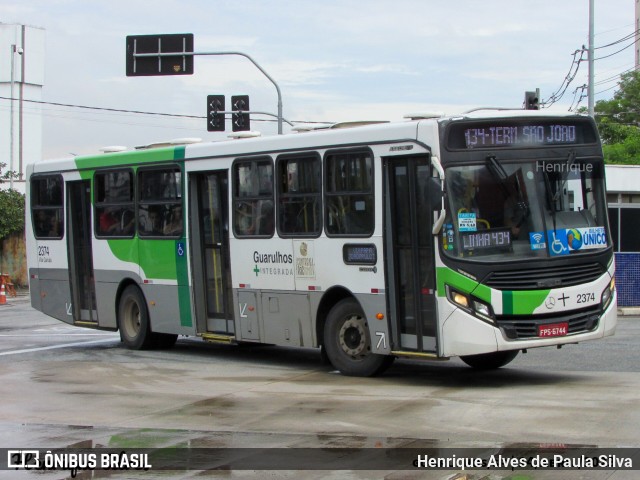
point(629, 311)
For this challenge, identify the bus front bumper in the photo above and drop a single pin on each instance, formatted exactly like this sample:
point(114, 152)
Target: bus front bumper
point(465, 334)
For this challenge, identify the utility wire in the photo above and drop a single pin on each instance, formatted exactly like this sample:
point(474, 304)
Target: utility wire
point(577, 102)
point(140, 112)
point(614, 77)
point(615, 53)
point(555, 97)
point(620, 40)
point(606, 89)
point(559, 93)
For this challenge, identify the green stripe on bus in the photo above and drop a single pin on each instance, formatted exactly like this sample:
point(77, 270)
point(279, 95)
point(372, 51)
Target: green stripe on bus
point(179, 152)
point(513, 302)
point(125, 250)
point(507, 302)
point(522, 302)
point(149, 253)
point(184, 294)
point(446, 276)
point(136, 157)
point(146, 253)
point(182, 266)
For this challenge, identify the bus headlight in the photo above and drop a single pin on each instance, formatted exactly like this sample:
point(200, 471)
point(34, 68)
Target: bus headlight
point(607, 294)
point(471, 304)
point(460, 299)
point(481, 308)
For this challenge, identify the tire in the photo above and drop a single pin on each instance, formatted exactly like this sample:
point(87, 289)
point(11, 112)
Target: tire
point(133, 319)
point(490, 361)
point(347, 342)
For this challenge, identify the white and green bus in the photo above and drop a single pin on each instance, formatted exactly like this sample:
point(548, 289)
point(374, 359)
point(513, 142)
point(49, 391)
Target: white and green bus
point(476, 236)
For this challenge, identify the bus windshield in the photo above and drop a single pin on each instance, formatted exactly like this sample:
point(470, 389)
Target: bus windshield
point(525, 209)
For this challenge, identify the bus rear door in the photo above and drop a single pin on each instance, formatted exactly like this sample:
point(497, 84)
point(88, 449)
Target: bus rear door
point(81, 275)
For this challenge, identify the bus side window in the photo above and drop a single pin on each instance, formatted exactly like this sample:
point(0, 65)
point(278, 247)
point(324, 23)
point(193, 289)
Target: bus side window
point(113, 198)
point(151, 220)
point(174, 223)
point(160, 208)
point(253, 213)
point(47, 206)
point(349, 193)
point(299, 195)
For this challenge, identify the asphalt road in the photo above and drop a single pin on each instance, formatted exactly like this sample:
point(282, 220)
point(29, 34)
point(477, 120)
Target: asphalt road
point(68, 387)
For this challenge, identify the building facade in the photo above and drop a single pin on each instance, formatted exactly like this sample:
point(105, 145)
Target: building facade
point(22, 55)
point(623, 198)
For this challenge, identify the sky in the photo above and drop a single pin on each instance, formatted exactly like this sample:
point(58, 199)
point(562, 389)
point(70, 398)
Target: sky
point(334, 60)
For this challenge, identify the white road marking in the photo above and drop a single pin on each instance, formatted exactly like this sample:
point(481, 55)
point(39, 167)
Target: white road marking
point(64, 345)
point(53, 335)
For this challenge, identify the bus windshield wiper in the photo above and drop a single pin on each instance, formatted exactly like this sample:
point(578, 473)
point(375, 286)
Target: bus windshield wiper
point(553, 197)
point(571, 159)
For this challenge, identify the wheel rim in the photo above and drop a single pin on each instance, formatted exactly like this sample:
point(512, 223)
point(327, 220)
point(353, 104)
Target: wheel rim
point(353, 337)
point(131, 320)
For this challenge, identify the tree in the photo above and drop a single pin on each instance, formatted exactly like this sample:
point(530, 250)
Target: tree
point(618, 120)
point(624, 107)
point(11, 206)
point(626, 152)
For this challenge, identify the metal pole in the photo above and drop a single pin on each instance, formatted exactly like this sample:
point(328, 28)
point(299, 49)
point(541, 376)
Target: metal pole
point(173, 54)
point(264, 73)
point(21, 104)
point(11, 133)
point(591, 72)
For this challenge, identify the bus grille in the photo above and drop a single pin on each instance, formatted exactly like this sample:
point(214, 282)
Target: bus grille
point(526, 327)
point(546, 277)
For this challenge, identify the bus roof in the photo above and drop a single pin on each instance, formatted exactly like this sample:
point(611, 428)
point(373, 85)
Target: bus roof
point(360, 133)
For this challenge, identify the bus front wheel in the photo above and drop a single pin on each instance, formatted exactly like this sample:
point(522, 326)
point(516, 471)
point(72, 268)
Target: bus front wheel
point(133, 319)
point(489, 361)
point(347, 341)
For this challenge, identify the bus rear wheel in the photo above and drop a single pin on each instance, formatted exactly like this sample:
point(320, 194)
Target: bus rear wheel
point(490, 361)
point(347, 341)
point(133, 319)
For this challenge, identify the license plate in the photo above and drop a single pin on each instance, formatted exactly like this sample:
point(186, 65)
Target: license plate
point(553, 330)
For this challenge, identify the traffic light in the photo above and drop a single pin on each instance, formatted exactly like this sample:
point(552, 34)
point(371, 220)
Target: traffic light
point(215, 113)
point(240, 120)
point(531, 101)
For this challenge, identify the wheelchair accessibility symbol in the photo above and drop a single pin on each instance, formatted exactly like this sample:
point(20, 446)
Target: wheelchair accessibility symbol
point(180, 249)
point(558, 242)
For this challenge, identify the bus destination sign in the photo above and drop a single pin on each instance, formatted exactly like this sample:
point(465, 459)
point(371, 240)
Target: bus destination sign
point(487, 239)
point(520, 135)
point(359, 254)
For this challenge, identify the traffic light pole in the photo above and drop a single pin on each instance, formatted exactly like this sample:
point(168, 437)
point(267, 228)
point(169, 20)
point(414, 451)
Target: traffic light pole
point(173, 54)
point(254, 112)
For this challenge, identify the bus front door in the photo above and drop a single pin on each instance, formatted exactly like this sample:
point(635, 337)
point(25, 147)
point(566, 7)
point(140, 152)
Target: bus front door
point(210, 260)
point(83, 290)
point(409, 253)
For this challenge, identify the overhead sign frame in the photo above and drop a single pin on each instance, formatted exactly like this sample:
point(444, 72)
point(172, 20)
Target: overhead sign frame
point(166, 54)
